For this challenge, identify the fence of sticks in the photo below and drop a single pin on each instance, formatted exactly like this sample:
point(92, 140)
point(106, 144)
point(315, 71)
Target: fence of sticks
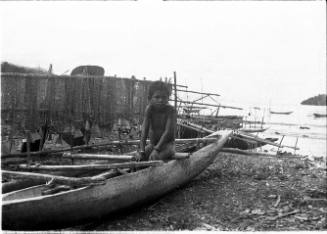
point(29, 101)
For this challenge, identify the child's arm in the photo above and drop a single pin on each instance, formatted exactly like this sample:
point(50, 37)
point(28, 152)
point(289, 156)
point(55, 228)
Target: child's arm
point(169, 133)
point(145, 129)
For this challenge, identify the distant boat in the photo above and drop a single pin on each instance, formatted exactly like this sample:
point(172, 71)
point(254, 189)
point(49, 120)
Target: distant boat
point(253, 129)
point(281, 112)
point(317, 115)
point(304, 127)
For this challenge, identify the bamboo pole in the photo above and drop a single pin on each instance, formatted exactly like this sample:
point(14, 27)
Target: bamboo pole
point(189, 91)
point(90, 166)
point(207, 104)
point(98, 156)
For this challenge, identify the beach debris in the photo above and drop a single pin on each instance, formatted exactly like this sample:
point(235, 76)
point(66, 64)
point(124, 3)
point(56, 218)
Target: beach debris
point(277, 201)
point(282, 215)
point(258, 212)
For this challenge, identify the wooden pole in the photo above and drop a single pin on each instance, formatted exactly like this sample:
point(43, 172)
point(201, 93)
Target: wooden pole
point(20, 184)
point(175, 92)
point(280, 144)
point(90, 166)
point(190, 127)
point(46, 177)
point(207, 104)
point(189, 91)
point(251, 137)
point(130, 142)
point(28, 146)
point(194, 126)
point(295, 145)
point(99, 156)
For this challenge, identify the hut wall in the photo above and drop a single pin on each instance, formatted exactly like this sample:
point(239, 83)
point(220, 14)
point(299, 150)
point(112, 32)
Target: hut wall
point(29, 100)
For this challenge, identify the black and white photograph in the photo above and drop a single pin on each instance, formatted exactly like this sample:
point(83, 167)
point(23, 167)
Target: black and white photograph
point(163, 116)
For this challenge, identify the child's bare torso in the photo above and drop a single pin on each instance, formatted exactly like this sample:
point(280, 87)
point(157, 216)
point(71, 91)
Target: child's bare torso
point(158, 121)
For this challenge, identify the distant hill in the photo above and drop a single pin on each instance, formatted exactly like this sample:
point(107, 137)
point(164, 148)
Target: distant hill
point(10, 67)
point(319, 100)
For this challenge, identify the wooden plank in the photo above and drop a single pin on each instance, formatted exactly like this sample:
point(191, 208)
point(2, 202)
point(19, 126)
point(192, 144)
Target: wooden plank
point(89, 166)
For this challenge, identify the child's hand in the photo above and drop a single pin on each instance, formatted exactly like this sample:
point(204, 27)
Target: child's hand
point(139, 156)
point(154, 155)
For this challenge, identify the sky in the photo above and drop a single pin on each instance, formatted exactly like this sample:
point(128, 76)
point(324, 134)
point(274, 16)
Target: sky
point(259, 53)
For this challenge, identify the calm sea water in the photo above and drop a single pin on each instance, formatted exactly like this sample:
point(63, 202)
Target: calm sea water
point(311, 140)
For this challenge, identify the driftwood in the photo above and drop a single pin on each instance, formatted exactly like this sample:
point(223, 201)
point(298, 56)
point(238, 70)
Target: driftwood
point(89, 167)
point(283, 215)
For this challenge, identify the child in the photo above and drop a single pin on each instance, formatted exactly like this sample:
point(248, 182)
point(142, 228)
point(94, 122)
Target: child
point(159, 123)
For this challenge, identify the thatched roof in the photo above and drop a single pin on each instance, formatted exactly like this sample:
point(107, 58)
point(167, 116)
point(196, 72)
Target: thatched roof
point(89, 70)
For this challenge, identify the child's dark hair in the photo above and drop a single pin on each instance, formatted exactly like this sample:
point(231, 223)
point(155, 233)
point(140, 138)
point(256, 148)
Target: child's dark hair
point(158, 86)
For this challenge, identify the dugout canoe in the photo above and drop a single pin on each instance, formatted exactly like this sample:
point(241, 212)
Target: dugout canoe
point(27, 209)
point(281, 112)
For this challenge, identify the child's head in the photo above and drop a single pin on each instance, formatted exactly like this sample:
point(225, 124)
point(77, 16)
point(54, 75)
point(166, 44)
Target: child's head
point(159, 93)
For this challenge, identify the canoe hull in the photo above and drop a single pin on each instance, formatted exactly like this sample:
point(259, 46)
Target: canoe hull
point(87, 203)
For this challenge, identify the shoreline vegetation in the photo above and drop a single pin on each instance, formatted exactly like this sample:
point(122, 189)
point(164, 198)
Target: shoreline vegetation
point(319, 100)
point(236, 193)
